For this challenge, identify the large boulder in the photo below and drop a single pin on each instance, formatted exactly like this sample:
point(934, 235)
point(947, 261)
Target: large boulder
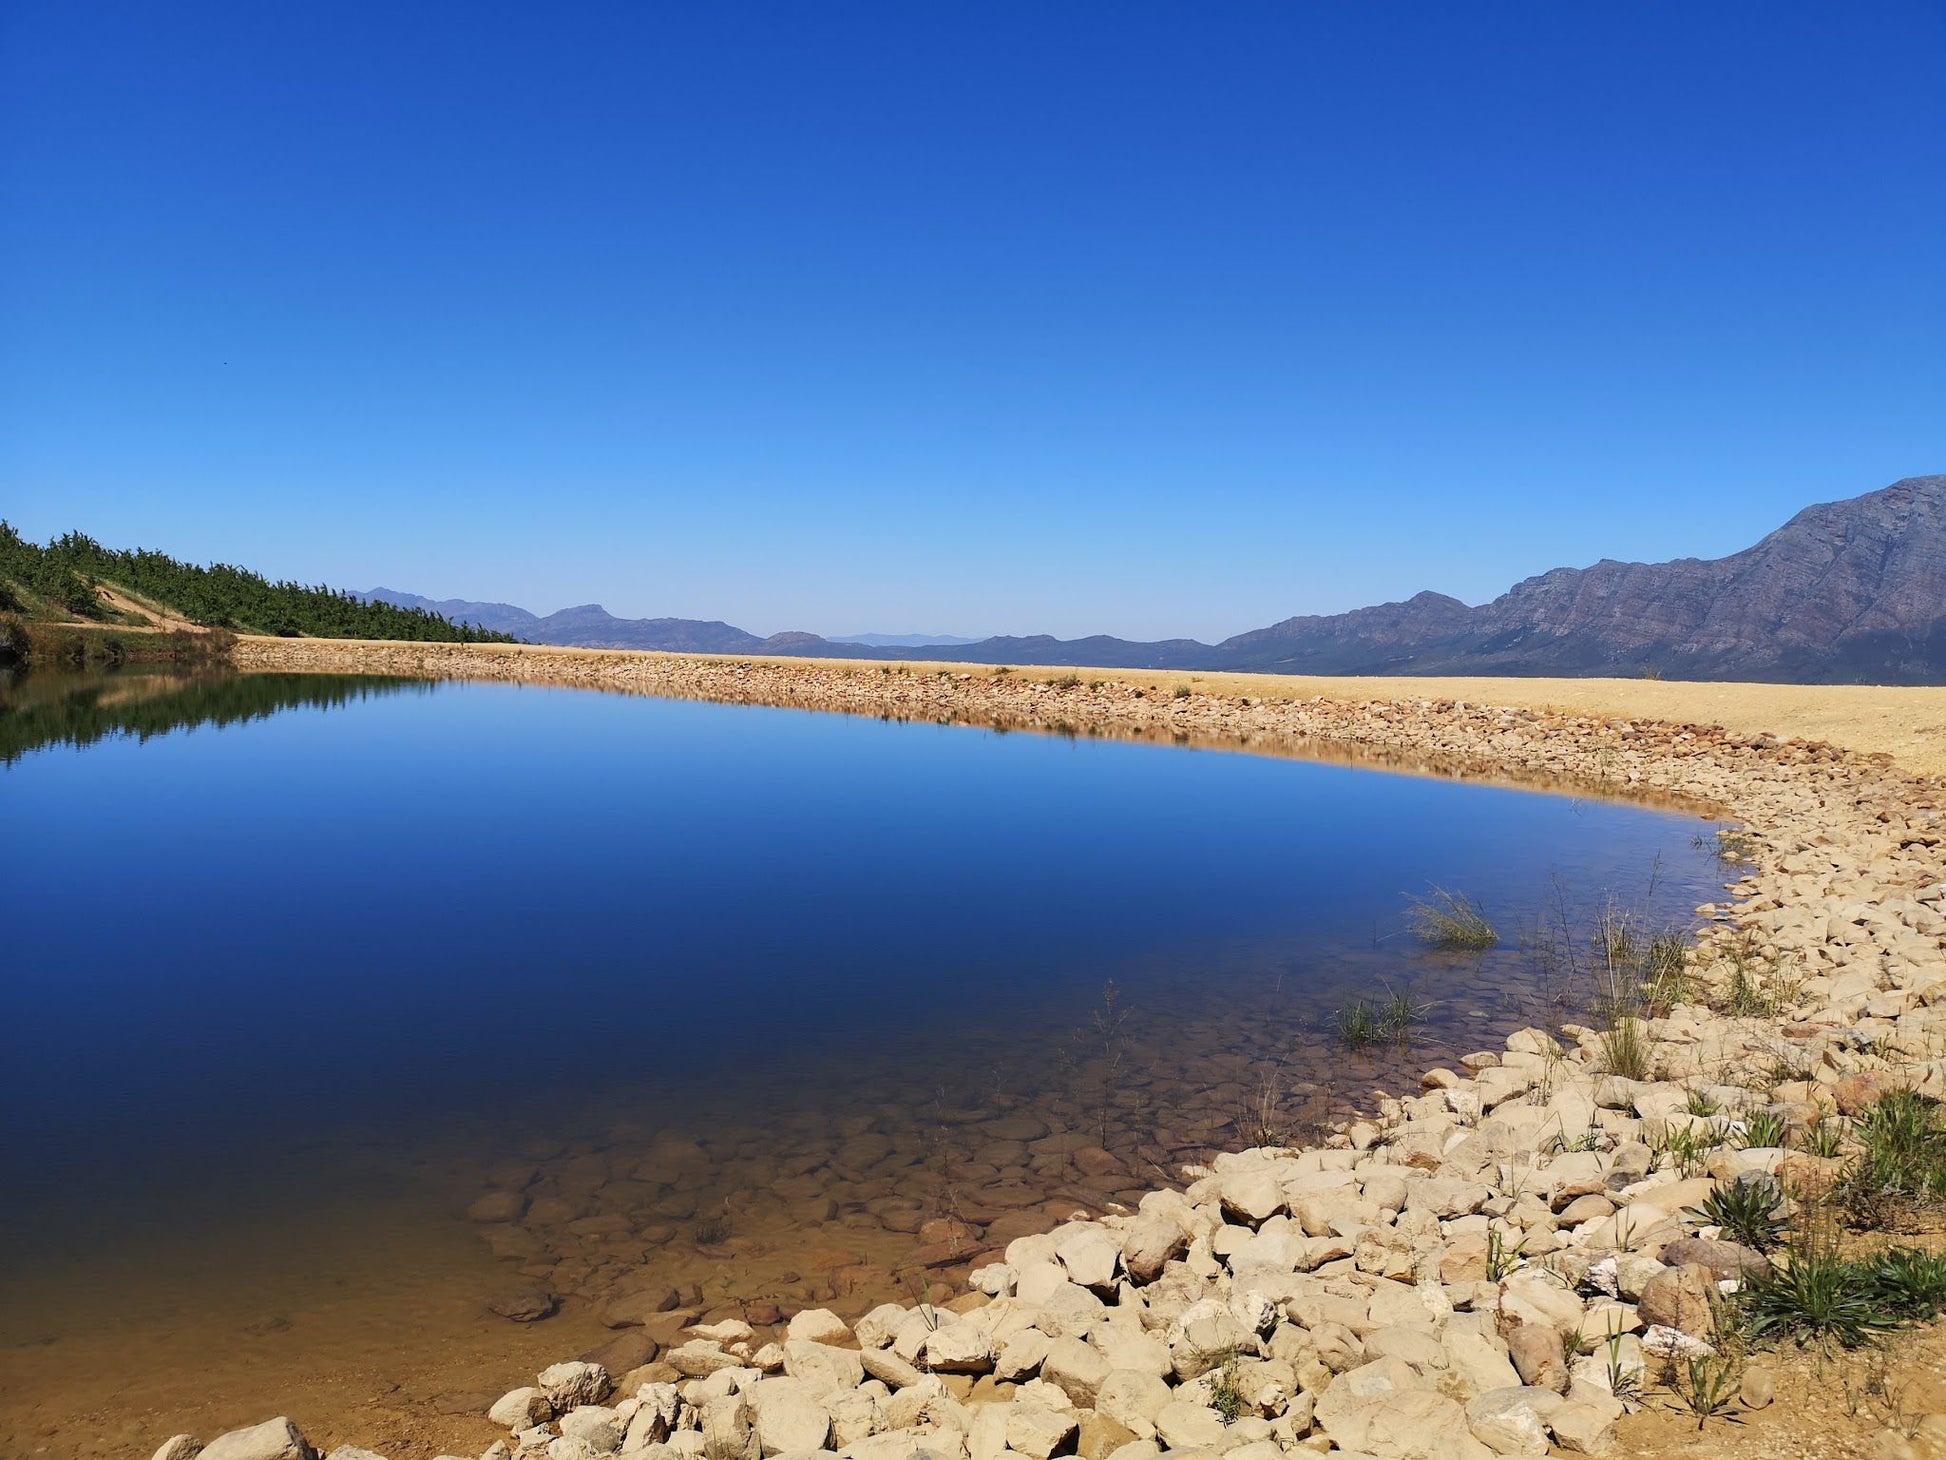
point(827, 1370)
point(1513, 1421)
point(567, 1385)
point(1150, 1242)
point(1076, 1369)
point(789, 1416)
point(1090, 1254)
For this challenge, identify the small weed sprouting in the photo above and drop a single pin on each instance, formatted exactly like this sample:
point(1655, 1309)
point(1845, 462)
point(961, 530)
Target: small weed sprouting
point(1503, 1257)
point(1624, 1380)
point(1902, 1164)
point(1687, 1148)
point(1826, 1137)
point(1226, 1392)
point(1183, 692)
point(1002, 671)
point(1747, 1211)
point(1451, 920)
point(1708, 1386)
point(1666, 980)
point(1700, 1102)
point(1763, 1129)
point(1365, 1022)
point(1066, 681)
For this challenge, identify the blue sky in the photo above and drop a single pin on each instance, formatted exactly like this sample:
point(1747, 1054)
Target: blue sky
point(1134, 318)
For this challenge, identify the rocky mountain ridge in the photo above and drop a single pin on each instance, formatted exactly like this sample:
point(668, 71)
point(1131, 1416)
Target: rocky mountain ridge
point(1845, 592)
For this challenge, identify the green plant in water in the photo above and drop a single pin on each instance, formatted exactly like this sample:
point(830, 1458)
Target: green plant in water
point(1451, 920)
point(1747, 1211)
point(1359, 1025)
point(1365, 1022)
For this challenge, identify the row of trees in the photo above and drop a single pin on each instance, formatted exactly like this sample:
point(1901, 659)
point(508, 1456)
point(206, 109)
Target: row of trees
point(64, 572)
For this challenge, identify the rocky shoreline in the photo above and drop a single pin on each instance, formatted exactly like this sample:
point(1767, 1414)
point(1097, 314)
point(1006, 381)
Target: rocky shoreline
point(1488, 1266)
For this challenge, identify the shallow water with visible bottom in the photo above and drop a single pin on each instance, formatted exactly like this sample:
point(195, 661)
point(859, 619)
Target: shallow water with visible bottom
point(765, 1008)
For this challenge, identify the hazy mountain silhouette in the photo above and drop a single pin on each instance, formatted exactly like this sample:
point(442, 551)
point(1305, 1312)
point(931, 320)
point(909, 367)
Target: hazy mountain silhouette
point(1851, 591)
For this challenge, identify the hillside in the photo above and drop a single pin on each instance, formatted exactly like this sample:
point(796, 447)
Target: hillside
point(75, 581)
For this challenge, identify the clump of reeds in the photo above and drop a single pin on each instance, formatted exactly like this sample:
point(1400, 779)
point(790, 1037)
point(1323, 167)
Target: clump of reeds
point(1365, 1022)
point(1451, 920)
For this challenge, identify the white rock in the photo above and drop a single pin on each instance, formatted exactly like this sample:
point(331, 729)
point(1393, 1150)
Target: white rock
point(274, 1439)
point(179, 1447)
point(958, 1348)
point(521, 1409)
point(1037, 1433)
point(567, 1385)
point(1090, 1254)
point(1512, 1421)
point(1133, 1398)
point(789, 1416)
point(1186, 1426)
point(827, 1370)
point(819, 1325)
point(599, 1426)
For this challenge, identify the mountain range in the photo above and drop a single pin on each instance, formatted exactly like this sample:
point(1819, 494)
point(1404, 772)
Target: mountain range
point(1845, 592)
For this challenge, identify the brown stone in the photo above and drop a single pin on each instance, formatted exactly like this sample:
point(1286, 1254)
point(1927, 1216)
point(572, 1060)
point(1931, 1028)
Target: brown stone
point(627, 1351)
point(529, 1305)
point(1725, 1260)
point(1538, 1357)
point(1682, 1298)
point(1858, 1093)
point(632, 1310)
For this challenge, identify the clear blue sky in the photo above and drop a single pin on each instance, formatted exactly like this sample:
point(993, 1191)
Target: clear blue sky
point(1149, 319)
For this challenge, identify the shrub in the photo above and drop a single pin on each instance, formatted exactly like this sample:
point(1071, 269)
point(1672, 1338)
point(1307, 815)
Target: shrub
point(1902, 1165)
point(1814, 1294)
point(1451, 920)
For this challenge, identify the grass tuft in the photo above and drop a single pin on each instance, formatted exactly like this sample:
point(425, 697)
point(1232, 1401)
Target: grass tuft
point(1748, 1211)
point(1451, 920)
point(1901, 1167)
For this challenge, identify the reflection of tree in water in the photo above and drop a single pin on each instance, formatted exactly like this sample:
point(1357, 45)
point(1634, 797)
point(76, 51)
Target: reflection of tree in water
point(38, 710)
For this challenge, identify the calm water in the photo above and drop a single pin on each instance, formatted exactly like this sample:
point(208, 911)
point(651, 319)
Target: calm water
point(663, 962)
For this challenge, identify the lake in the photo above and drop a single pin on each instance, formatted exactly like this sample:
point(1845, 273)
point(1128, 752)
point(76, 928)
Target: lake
point(761, 1007)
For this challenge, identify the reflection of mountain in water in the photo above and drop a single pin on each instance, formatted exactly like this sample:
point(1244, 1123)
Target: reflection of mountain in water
point(39, 709)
